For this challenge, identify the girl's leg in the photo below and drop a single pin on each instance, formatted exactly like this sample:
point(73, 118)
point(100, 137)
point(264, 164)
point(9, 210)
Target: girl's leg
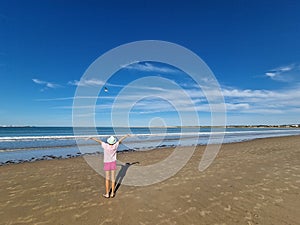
point(107, 183)
point(113, 182)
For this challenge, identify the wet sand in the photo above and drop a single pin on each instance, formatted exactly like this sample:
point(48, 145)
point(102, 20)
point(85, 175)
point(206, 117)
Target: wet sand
point(254, 182)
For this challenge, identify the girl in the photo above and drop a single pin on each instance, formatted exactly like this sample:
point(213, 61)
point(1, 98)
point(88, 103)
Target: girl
point(110, 162)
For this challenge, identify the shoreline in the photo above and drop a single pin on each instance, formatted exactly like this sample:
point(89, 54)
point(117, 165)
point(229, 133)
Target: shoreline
point(79, 154)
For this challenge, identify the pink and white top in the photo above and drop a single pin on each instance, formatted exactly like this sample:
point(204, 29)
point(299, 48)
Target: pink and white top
point(110, 151)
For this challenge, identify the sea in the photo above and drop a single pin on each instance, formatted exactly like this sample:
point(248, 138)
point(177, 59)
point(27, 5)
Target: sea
point(23, 144)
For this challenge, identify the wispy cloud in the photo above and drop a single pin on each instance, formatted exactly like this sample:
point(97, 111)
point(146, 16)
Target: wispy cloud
point(87, 82)
point(265, 101)
point(149, 67)
point(73, 98)
point(288, 73)
point(96, 82)
point(156, 97)
point(236, 100)
point(45, 84)
point(93, 83)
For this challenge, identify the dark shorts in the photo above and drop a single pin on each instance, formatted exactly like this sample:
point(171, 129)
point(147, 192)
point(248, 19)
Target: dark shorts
point(110, 166)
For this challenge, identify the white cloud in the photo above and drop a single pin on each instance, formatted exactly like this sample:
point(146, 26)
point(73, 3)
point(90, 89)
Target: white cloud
point(87, 82)
point(286, 68)
point(247, 93)
point(73, 98)
point(288, 73)
point(149, 67)
point(271, 74)
point(93, 83)
point(45, 84)
point(237, 106)
point(265, 101)
point(153, 98)
point(237, 101)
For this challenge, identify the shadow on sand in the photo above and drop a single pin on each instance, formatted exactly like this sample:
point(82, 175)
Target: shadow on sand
point(122, 174)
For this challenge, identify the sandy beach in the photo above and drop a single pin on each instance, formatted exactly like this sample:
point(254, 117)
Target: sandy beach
point(253, 182)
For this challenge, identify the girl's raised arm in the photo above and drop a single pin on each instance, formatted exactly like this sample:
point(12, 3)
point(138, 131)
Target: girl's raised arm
point(123, 138)
point(99, 141)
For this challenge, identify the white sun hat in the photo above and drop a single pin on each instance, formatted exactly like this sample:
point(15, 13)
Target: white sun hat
point(111, 140)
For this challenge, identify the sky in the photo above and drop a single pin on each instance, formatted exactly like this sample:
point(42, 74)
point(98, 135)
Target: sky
point(252, 48)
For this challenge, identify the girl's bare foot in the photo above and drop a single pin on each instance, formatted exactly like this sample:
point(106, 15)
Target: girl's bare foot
point(105, 195)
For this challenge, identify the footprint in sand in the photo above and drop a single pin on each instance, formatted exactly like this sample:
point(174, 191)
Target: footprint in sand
point(280, 190)
point(204, 212)
point(278, 200)
point(257, 206)
point(228, 208)
point(176, 210)
point(212, 198)
point(248, 217)
point(27, 219)
point(80, 215)
point(191, 209)
point(261, 197)
point(293, 186)
point(185, 196)
point(161, 215)
point(226, 193)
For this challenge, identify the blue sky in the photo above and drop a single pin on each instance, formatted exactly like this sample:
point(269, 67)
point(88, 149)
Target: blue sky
point(252, 47)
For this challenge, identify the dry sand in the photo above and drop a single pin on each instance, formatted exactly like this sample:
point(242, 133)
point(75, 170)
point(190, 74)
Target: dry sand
point(254, 182)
